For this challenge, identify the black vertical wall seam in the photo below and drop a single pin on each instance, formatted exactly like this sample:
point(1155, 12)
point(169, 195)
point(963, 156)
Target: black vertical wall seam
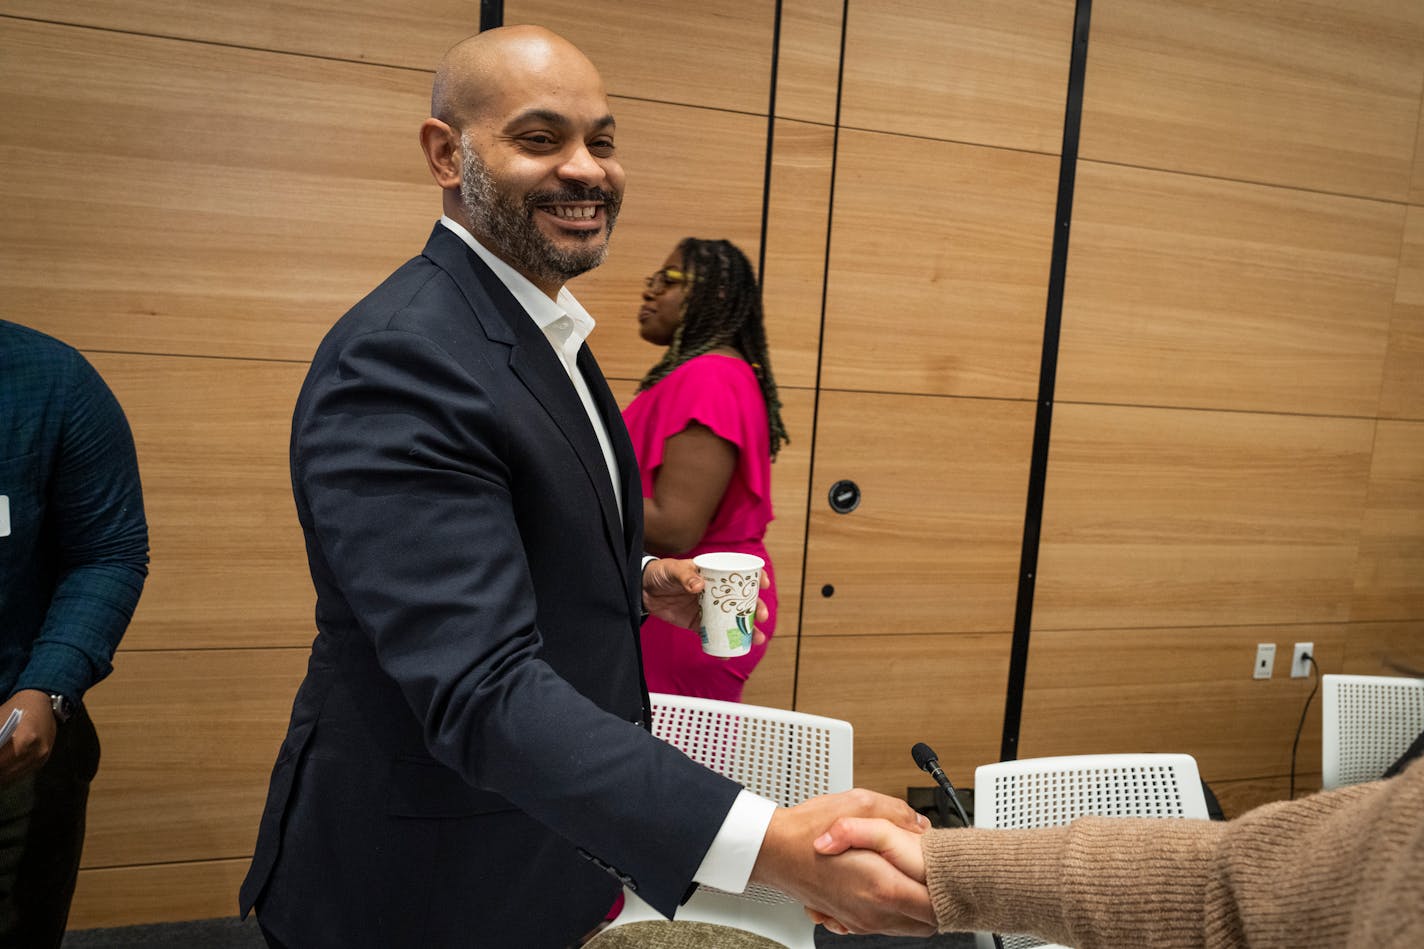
point(820, 356)
point(1047, 377)
point(491, 14)
point(770, 140)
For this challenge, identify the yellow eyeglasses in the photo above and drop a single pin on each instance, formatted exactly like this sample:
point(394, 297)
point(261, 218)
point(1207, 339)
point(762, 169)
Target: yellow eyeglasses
point(667, 277)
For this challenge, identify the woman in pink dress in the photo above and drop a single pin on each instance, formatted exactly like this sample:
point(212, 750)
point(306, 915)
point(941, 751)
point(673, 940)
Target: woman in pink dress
point(706, 424)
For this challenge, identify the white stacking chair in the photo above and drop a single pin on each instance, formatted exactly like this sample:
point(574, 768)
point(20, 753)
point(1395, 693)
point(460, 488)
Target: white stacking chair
point(1050, 792)
point(1367, 722)
point(785, 756)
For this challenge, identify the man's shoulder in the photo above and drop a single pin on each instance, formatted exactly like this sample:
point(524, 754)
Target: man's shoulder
point(40, 366)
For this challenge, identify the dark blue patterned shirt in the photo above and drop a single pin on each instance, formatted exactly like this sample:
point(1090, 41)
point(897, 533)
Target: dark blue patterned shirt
point(74, 559)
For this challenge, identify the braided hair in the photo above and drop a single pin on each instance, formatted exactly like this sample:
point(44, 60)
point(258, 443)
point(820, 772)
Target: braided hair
point(722, 308)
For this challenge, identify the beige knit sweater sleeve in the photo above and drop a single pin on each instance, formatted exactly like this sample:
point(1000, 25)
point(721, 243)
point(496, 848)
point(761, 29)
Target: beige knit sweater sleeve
point(1340, 868)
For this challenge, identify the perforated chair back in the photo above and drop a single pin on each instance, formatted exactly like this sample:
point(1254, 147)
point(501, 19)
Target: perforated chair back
point(1367, 722)
point(781, 755)
point(1050, 792)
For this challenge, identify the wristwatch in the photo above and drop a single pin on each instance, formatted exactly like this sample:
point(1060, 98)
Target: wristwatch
point(62, 707)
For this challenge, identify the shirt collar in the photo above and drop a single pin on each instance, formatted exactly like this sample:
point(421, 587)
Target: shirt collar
point(540, 308)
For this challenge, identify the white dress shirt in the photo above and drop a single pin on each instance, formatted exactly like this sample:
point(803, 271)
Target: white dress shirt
point(566, 324)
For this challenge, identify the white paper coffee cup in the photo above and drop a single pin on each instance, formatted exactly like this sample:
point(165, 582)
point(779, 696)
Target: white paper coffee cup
point(729, 598)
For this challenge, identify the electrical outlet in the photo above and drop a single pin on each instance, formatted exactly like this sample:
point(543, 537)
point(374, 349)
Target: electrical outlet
point(1300, 668)
point(1265, 661)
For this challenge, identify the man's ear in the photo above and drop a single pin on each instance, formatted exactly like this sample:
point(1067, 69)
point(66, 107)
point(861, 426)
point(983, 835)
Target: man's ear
point(441, 145)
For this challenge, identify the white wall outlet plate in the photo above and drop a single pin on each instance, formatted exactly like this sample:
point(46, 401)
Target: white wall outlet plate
point(1265, 661)
point(1300, 666)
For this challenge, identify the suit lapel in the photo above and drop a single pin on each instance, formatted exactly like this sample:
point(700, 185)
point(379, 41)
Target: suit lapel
point(622, 449)
point(534, 361)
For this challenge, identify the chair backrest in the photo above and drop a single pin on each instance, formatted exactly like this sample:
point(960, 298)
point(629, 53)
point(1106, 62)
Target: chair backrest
point(1367, 722)
point(781, 755)
point(1049, 792)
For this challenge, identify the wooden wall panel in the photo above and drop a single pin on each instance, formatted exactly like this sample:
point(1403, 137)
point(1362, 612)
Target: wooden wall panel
point(189, 740)
point(158, 893)
point(947, 691)
point(1402, 395)
point(235, 202)
point(227, 562)
point(775, 677)
point(1305, 93)
point(934, 545)
point(638, 48)
point(939, 254)
point(798, 217)
point(1384, 649)
point(991, 74)
point(1238, 797)
point(713, 55)
point(808, 60)
point(234, 243)
point(1416, 187)
point(402, 33)
point(1194, 292)
point(1176, 690)
point(1389, 575)
point(1157, 517)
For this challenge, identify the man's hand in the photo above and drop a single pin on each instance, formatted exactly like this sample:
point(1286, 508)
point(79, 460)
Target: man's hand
point(857, 891)
point(29, 747)
point(900, 847)
point(672, 591)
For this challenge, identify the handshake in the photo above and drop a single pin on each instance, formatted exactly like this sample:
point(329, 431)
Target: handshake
point(854, 860)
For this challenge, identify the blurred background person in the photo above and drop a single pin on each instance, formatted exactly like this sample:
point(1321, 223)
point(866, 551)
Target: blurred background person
point(706, 425)
point(73, 559)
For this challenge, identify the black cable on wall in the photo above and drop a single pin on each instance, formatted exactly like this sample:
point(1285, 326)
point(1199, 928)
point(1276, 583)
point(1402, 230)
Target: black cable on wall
point(1047, 376)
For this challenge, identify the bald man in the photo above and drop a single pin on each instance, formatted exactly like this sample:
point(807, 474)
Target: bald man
point(468, 761)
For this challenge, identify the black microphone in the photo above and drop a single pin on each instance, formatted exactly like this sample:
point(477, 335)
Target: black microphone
point(927, 761)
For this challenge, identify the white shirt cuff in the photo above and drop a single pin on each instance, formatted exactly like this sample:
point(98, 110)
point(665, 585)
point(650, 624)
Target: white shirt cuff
point(729, 861)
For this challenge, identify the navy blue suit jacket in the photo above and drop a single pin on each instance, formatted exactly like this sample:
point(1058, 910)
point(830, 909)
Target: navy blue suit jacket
point(467, 761)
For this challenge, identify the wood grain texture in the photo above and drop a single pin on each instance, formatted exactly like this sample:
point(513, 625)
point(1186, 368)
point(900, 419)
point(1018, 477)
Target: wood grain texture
point(808, 60)
point(1402, 395)
point(235, 242)
point(798, 217)
point(1194, 292)
point(189, 739)
point(227, 564)
point(1416, 187)
point(716, 55)
point(1176, 690)
point(939, 257)
point(945, 690)
point(991, 74)
point(244, 201)
point(157, 893)
point(1160, 517)
point(774, 681)
point(934, 545)
point(1238, 797)
point(406, 34)
point(1385, 649)
point(1305, 93)
point(1389, 575)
